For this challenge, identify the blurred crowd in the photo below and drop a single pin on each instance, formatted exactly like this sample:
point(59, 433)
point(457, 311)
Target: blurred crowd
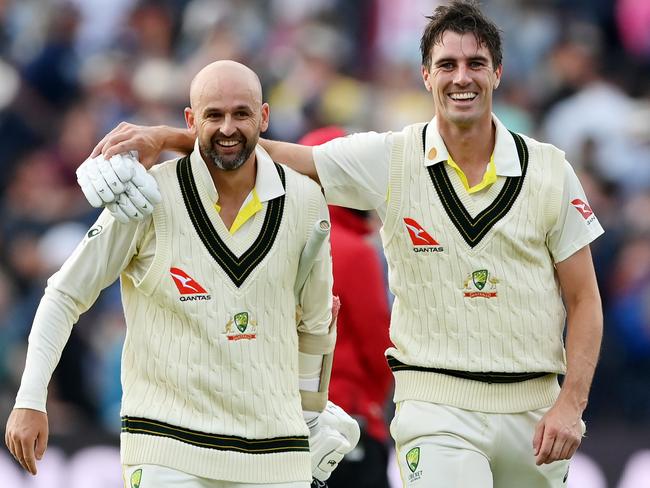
point(576, 74)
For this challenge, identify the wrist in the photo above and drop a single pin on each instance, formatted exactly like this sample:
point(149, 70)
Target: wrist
point(572, 400)
point(311, 419)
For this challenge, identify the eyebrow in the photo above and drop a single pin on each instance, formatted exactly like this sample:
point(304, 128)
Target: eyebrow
point(245, 107)
point(453, 60)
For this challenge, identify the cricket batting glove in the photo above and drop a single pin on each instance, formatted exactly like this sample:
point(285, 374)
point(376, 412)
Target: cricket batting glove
point(122, 185)
point(332, 437)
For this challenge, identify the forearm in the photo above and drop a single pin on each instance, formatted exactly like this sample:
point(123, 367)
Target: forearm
point(317, 334)
point(175, 139)
point(297, 157)
point(584, 335)
point(50, 332)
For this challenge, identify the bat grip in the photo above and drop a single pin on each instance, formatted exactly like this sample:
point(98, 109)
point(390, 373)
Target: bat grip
point(310, 252)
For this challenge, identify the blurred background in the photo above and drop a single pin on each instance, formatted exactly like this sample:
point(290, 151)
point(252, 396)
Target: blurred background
point(576, 74)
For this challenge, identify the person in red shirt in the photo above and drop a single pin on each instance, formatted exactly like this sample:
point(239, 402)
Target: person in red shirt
point(361, 379)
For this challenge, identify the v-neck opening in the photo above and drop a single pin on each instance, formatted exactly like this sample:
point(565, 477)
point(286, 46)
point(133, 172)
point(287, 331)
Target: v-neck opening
point(218, 241)
point(238, 245)
point(474, 229)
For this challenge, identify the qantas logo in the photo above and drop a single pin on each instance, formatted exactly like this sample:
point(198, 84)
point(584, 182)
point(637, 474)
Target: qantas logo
point(422, 241)
point(188, 286)
point(584, 209)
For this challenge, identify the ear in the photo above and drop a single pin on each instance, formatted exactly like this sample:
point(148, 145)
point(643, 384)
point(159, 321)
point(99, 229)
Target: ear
point(497, 74)
point(265, 117)
point(189, 119)
point(425, 77)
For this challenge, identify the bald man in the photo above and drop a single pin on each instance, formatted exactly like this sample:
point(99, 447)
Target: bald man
point(214, 355)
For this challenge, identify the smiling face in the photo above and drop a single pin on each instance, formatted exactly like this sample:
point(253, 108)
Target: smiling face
point(461, 79)
point(227, 113)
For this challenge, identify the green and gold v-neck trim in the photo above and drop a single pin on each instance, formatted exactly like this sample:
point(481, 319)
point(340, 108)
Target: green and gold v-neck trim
point(473, 229)
point(237, 268)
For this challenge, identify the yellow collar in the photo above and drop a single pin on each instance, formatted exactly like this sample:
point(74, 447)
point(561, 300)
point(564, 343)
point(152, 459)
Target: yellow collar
point(504, 159)
point(268, 185)
point(489, 177)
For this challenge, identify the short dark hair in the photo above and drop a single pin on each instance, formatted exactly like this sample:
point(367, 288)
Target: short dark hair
point(461, 17)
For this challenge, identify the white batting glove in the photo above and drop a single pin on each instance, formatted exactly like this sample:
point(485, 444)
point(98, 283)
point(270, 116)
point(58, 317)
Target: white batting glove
point(122, 185)
point(339, 420)
point(147, 187)
point(93, 183)
point(118, 213)
point(330, 439)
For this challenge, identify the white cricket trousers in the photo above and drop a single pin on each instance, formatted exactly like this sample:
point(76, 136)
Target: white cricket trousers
point(154, 476)
point(439, 446)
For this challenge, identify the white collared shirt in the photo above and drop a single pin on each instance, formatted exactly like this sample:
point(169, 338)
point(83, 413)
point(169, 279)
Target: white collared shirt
point(506, 159)
point(268, 185)
point(354, 172)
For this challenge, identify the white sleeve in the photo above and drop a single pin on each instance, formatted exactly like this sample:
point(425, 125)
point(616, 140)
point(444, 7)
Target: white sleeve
point(577, 224)
point(353, 170)
point(97, 262)
point(316, 295)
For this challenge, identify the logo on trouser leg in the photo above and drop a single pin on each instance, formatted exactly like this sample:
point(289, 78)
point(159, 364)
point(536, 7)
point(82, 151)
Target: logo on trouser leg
point(136, 477)
point(412, 461)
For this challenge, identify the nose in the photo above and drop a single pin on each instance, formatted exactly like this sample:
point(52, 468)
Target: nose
point(228, 127)
point(461, 76)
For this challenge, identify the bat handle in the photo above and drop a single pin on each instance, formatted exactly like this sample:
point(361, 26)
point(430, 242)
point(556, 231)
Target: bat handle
point(310, 252)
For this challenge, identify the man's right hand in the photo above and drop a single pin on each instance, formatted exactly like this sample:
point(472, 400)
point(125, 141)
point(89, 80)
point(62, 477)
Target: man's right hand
point(147, 141)
point(26, 436)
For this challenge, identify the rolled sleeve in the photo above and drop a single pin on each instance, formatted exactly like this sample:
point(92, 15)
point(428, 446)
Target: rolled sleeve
point(577, 225)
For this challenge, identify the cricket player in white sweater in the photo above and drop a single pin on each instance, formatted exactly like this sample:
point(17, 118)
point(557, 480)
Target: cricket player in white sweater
point(226, 359)
point(486, 233)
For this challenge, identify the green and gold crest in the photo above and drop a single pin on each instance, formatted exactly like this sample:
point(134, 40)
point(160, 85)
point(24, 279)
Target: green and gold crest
point(136, 477)
point(241, 321)
point(479, 278)
point(413, 459)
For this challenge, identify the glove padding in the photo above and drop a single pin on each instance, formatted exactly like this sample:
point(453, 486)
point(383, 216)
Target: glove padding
point(335, 435)
point(121, 184)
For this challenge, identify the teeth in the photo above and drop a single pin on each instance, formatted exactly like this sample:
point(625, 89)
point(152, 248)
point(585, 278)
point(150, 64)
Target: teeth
point(228, 143)
point(462, 96)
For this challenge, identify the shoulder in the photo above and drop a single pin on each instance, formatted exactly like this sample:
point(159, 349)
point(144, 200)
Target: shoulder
point(544, 153)
point(297, 182)
point(165, 169)
point(534, 144)
point(353, 144)
point(417, 128)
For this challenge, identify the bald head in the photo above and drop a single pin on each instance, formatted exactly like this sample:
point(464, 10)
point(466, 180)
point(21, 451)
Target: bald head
point(224, 77)
point(227, 114)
